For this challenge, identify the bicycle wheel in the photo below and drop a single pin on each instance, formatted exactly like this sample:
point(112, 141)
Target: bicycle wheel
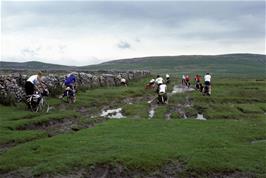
point(68, 99)
point(74, 99)
point(34, 108)
point(43, 106)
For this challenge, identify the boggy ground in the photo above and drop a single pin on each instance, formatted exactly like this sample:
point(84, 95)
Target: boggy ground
point(76, 141)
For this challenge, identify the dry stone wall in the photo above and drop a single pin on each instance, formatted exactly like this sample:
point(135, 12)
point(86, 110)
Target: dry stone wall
point(12, 85)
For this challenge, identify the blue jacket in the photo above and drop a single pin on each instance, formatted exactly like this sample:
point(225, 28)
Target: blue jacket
point(70, 80)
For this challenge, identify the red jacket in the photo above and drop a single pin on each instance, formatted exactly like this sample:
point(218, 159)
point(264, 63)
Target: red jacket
point(197, 78)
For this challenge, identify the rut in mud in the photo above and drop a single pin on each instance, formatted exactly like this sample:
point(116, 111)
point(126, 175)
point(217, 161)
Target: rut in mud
point(6, 146)
point(91, 117)
point(178, 108)
point(94, 115)
point(170, 169)
point(113, 110)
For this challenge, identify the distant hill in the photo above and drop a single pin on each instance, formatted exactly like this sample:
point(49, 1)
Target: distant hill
point(33, 65)
point(222, 64)
point(227, 64)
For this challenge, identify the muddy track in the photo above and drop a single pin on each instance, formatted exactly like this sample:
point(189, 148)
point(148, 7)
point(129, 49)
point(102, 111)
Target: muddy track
point(173, 169)
point(178, 108)
point(170, 170)
point(4, 147)
point(71, 125)
point(53, 127)
point(92, 115)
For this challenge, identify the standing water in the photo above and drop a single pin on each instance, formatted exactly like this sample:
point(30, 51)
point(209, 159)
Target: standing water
point(152, 111)
point(200, 117)
point(181, 89)
point(113, 113)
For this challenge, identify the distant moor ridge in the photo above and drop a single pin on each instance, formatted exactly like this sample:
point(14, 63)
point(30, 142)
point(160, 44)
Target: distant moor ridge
point(227, 64)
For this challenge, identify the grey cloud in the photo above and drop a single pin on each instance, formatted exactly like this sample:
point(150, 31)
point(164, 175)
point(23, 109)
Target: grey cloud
point(170, 23)
point(123, 45)
point(30, 52)
point(123, 17)
point(62, 48)
point(137, 40)
point(168, 13)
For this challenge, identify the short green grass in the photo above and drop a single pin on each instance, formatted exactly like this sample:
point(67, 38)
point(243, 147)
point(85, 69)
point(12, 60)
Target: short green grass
point(217, 145)
point(139, 110)
point(235, 114)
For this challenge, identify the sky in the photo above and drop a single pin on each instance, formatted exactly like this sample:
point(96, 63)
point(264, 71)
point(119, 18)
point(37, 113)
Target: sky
point(86, 32)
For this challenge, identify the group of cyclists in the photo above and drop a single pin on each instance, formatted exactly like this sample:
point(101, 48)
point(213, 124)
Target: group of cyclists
point(160, 85)
point(206, 89)
point(36, 88)
point(185, 80)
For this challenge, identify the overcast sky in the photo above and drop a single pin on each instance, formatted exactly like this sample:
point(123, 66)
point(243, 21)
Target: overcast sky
point(83, 32)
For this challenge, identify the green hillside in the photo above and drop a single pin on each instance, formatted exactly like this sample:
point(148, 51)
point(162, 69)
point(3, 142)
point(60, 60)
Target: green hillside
point(220, 64)
point(33, 65)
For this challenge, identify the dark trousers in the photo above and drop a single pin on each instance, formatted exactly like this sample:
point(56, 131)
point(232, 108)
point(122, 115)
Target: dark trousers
point(29, 88)
point(71, 91)
point(207, 83)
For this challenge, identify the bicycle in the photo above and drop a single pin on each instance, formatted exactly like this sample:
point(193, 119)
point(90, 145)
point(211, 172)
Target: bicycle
point(70, 95)
point(206, 90)
point(38, 103)
point(162, 98)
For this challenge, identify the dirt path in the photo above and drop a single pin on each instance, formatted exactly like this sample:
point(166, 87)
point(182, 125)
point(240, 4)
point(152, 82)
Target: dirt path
point(92, 116)
point(95, 115)
point(168, 170)
point(178, 108)
point(173, 169)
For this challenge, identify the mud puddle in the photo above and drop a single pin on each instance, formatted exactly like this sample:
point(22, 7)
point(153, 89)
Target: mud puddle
point(168, 116)
point(152, 111)
point(179, 108)
point(113, 113)
point(258, 141)
point(53, 127)
point(172, 169)
point(134, 100)
point(181, 89)
point(6, 146)
point(168, 170)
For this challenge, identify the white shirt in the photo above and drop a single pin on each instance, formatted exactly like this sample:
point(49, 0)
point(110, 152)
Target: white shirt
point(162, 88)
point(123, 80)
point(167, 76)
point(159, 80)
point(152, 81)
point(183, 77)
point(207, 78)
point(33, 79)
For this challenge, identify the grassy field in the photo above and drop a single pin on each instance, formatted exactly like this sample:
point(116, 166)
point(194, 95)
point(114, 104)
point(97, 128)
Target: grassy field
point(75, 139)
